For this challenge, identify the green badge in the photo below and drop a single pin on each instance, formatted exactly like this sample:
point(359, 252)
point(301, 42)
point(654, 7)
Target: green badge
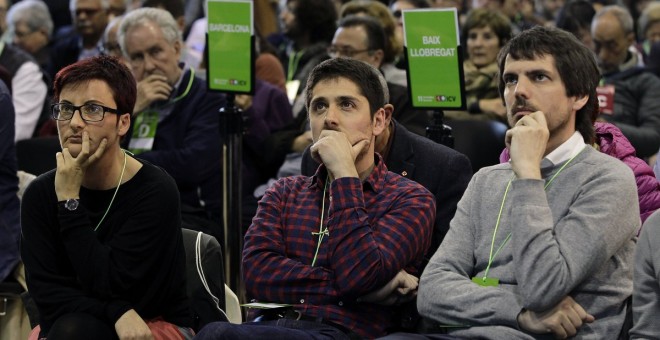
point(486, 281)
point(144, 132)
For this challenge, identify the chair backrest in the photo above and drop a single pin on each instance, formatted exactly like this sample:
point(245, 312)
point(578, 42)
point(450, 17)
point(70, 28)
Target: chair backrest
point(481, 141)
point(205, 278)
point(37, 155)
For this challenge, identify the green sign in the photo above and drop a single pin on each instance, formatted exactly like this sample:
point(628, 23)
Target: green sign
point(435, 68)
point(230, 45)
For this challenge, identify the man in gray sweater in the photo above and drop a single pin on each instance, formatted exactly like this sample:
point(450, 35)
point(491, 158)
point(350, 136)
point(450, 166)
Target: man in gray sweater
point(541, 246)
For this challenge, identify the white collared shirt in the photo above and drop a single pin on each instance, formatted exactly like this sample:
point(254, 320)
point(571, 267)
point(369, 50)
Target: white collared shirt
point(567, 149)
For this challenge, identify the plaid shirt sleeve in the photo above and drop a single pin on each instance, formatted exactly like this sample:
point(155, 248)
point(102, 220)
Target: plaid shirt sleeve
point(367, 251)
point(374, 231)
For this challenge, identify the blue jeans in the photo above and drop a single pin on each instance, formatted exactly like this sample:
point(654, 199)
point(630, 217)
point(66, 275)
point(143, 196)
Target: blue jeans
point(284, 329)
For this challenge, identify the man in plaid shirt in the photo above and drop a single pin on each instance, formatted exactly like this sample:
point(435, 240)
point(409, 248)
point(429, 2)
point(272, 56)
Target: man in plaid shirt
point(345, 245)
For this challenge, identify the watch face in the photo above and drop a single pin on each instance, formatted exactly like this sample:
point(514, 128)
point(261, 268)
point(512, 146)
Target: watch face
point(71, 204)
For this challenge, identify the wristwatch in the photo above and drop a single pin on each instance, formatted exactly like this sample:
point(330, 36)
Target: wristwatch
point(71, 204)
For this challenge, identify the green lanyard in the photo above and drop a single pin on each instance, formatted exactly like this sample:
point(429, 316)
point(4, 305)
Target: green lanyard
point(185, 93)
point(322, 232)
point(294, 60)
point(492, 256)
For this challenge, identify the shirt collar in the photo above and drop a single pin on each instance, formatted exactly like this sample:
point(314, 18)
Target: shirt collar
point(184, 69)
point(567, 149)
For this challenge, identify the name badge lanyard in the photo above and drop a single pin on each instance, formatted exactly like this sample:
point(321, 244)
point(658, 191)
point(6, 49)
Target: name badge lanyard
point(146, 123)
point(485, 280)
point(322, 232)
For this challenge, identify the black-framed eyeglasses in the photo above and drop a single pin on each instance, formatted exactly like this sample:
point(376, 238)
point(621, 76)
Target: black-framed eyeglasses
point(336, 51)
point(88, 112)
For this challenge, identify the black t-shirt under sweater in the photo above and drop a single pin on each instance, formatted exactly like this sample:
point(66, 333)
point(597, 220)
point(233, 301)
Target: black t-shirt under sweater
point(134, 260)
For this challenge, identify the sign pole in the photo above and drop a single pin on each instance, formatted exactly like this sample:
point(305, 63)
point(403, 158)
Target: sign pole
point(230, 46)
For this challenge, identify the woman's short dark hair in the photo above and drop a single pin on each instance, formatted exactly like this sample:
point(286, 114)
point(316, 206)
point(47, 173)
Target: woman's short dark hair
point(481, 17)
point(108, 69)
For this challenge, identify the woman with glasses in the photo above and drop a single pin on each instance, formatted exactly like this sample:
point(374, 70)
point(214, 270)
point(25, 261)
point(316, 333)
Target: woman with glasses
point(101, 241)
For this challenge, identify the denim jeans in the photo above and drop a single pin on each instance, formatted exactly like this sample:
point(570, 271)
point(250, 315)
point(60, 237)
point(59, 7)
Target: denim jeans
point(281, 329)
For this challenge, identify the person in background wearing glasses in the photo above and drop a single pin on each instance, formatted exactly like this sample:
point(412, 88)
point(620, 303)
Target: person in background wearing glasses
point(176, 121)
point(31, 26)
point(89, 20)
point(339, 245)
point(101, 238)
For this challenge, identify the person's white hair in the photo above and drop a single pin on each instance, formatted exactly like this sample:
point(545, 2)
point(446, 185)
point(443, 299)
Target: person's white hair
point(143, 16)
point(620, 13)
point(33, 13)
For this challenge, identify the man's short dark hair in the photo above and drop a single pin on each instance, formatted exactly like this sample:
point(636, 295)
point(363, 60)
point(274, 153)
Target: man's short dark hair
point(108, 69)
point(365, 77)
point(373, 29)
point(575, 63)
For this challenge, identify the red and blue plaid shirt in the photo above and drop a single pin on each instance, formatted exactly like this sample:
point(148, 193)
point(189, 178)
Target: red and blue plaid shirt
point(375, 229)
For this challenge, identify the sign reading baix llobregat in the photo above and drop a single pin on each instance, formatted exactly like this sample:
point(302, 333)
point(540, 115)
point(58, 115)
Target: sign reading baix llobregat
point(435, 58)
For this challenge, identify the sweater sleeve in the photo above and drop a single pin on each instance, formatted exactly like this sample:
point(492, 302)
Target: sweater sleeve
point(646, 290)
point(446, 292)
point(554, 254)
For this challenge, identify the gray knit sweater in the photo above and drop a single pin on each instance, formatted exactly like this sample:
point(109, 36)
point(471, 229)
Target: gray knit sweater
point(575, 238)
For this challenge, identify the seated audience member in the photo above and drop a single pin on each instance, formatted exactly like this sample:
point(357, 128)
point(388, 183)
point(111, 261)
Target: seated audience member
point(343, 246)
point(393, 46)
point(10, 228)
point(635, 106)
point(89, 20)
point(176, 121)
point(575, 17)
point(28, 89)
point(540, 245)
point(484, 32)
point(441, 170)
point(32, 27)
point(101, 241)
point(649, 30)
point(646, 284)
